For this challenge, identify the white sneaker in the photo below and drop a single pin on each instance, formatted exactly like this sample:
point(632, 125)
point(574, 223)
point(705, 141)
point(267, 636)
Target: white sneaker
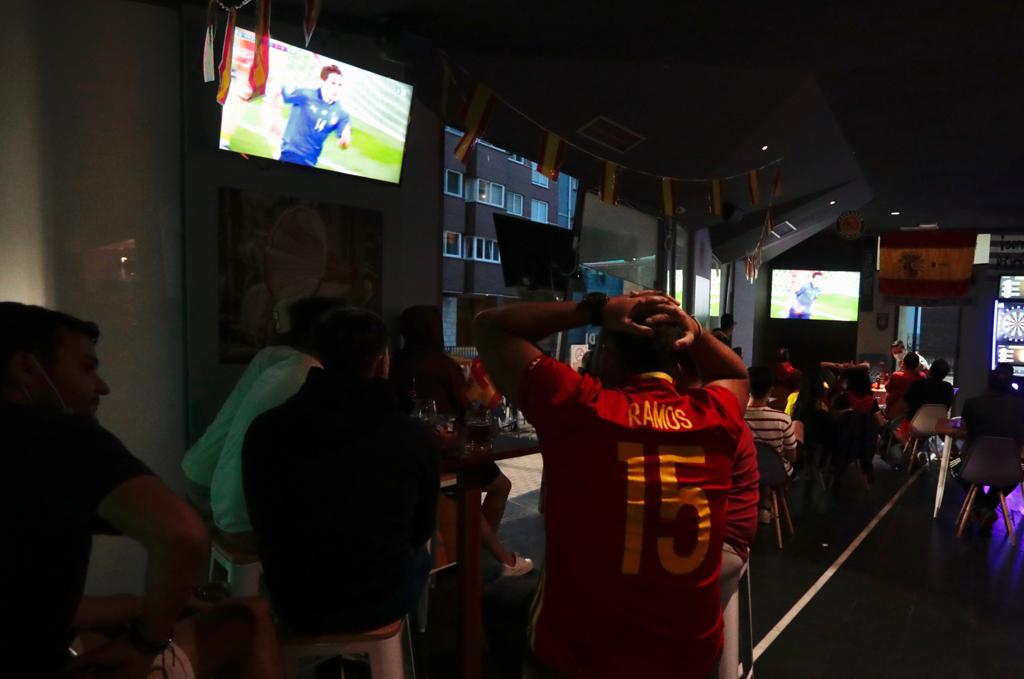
point(521, 566)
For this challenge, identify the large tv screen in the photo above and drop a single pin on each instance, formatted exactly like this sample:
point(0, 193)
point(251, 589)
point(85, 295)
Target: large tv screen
point(317, 112)
point(815, 295)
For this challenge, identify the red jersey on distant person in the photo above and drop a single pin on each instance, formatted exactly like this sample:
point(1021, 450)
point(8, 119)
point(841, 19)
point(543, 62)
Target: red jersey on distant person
point(637, 486)
point(898, 384)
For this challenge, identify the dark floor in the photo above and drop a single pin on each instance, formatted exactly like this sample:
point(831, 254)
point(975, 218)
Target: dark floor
point(911, 601)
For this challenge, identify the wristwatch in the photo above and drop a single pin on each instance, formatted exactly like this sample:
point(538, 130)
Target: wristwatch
point(143, 645)
point(593, 304)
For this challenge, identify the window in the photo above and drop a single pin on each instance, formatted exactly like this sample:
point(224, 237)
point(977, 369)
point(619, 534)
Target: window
point(482, 249)
point(519, 160)
point(515, 203)
point(452, 244)
point(538, 211)
point(453, 183)
point(489, 193)
point(538, 179)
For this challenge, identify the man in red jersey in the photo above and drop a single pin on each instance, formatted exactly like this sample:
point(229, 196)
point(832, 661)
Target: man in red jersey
point(638, 476)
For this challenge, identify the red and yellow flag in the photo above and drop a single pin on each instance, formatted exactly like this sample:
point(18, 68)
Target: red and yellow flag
point(552, 154)
point(777, 187)
point(209, 72)
point(715, 197)
point(225, 58)
point(312, 15)
point(260, 69)
point(475, 119)
point(668, 202)
point(610, 182)
point(754, 184)
point(929, 264)
point(480, 388)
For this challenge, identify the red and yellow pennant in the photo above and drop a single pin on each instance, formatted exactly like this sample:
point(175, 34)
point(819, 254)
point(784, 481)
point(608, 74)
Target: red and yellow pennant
point(552, 154)
point(225, 58)
point(610, 183)
point(260, 69)
point(715, 197)
point(754, 185)
point(668, 202)
point(929, 264)
point(312, 15)
point(209, 72)
point(475, 119)
point(777, 186)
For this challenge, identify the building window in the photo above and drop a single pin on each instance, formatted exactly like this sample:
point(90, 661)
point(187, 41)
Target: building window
point(538, 211)
point(515, 203)
point(488, 193)
point(482, 250)
point(453, 183)
point(452, 244)
point(537, 178)
point(519, 160)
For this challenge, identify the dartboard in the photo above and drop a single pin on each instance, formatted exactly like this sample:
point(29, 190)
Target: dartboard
point(1013, 324)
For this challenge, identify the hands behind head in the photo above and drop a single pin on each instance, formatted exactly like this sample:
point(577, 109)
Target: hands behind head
point(637, 312)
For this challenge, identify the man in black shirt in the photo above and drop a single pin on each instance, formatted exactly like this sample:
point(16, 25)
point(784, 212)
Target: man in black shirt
point(342, 487)
point(932, 389)
point(66, 479)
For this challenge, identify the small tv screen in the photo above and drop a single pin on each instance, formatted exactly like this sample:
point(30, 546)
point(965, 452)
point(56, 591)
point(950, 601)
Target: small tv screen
point(815, 295)
point(316, 112)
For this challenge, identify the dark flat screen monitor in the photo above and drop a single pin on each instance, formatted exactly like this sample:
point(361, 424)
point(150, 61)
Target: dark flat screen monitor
point(535, 255)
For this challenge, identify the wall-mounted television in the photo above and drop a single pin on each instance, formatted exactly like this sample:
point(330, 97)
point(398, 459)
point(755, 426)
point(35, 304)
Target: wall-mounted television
point(808, 294)
point(317, 112)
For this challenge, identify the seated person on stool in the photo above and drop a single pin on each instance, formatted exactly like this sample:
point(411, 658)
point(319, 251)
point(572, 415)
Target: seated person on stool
point(213, 466)
point(997, 412)
point(423, 369)
point(898, 385)
point(932, 389)
point(67, 479)
point(342, 488)
point(603, 608)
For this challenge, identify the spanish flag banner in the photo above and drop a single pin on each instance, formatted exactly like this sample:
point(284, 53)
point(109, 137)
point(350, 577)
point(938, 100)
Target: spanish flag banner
point(477, 114)
point(260, 69)
point(668, 202)
point(225, 58)
point(715, 197)
point(610, 183)
point(754, 184)
point(552, 154)
point(312, 15)
point(209, 72)
point(928, 264)
point(777, 187)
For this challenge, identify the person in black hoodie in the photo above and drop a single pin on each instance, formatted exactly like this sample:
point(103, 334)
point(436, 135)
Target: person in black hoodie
point(342, 487)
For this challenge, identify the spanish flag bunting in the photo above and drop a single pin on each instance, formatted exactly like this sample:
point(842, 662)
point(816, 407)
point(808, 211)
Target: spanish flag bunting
point(930, 264)
point(777, 188)
point(225, 58)
point(668, 203)
point(478, 113)
point(715, 197)
point(754, 184)
point(260, 69)
point(312, 14)
point(209, 72)
point(551, 155)
point(609, 185)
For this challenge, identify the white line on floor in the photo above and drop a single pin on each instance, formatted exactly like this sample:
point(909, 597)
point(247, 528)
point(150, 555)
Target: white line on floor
point(782, 624)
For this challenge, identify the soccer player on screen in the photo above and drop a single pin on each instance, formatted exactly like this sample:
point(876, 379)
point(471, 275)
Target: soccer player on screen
point(804, 298)
point(314, 116)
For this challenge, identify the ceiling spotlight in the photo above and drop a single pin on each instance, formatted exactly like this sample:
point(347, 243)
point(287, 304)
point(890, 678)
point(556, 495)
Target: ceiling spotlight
point(765, 147)
point(831, 202)
point(895, 213)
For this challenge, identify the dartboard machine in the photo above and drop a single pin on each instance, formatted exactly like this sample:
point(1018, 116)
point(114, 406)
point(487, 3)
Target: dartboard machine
point(1008, 326)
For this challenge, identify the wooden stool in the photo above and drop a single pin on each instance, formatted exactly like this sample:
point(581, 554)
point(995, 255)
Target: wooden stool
point(240, 568)
point(383, 647)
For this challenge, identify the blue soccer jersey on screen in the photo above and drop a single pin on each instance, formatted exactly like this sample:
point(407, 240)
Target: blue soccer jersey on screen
point(807, 294)
point(310, 122)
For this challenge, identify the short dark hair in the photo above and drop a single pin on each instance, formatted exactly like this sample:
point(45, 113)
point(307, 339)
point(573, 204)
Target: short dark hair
point(25, 327)
point(911, 361)
point(939, 369)
point(816, 273)
point(327, 70)
point(858, 382)
point(897, 343)
point(1000, 381)
point(728, 322)
point(348, 339)
point(304, 314)
point(761, 381)
point(647, 353)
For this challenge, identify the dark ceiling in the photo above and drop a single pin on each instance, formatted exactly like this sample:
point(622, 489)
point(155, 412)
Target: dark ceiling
point(881, 107)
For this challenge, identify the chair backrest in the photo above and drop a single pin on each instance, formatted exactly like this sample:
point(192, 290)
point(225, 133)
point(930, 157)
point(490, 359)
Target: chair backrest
point(769, 465)
point(856, 434)
point(927, 417)
point(993, 461)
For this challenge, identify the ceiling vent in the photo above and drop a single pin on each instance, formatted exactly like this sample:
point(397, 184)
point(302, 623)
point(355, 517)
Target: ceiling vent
point(782, 229)
point(611, 135)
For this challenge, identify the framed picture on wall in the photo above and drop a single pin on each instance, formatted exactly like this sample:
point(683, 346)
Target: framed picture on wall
point(274, 250)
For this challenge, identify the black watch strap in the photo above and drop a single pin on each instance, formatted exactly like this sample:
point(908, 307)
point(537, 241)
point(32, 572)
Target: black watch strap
point(593, 304)
point(142, 644)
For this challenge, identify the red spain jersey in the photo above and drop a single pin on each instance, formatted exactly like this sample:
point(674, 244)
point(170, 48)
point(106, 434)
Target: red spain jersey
point(637, 485)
